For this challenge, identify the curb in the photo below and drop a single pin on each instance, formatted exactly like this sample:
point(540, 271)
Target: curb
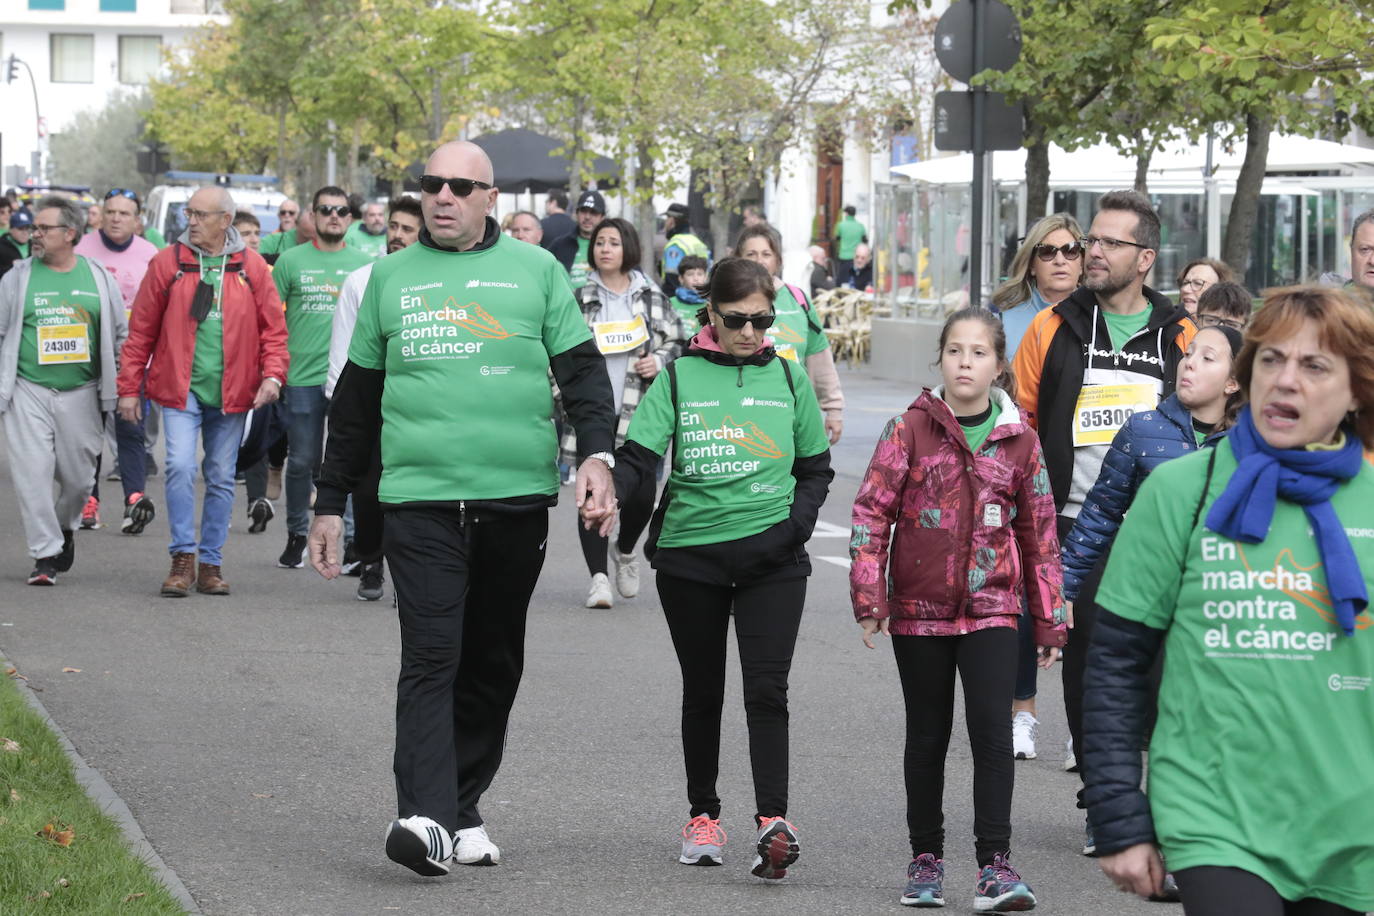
point(109, 801)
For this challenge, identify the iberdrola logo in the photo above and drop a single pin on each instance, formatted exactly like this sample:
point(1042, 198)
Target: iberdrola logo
point(474, 318)
point(749, 437)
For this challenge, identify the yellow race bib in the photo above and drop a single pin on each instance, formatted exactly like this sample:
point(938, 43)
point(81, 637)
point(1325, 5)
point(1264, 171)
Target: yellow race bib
point(620, 336)
point(59, 344)
point(1103, 409)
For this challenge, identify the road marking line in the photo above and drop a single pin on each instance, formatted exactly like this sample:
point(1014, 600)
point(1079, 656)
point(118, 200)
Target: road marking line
point(827, 530)
point(838, 561)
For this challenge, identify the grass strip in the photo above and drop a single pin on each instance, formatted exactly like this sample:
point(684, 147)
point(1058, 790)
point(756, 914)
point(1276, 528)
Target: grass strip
point(59, 853)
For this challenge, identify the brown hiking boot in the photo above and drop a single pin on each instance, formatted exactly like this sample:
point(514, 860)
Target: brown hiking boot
point(178, 581)
point(208, 581)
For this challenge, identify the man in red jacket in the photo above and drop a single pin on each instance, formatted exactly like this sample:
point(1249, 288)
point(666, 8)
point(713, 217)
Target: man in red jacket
point(208, 339)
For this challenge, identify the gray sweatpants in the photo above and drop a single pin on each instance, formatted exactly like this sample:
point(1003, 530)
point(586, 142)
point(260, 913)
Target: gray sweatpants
point(53, 437)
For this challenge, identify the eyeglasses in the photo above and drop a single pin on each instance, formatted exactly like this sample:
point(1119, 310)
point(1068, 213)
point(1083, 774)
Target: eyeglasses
point(735, 322)
point(1192, 284)
point(285, 212)
point(1071, 252)
point(40, 229)
point(1216, 321)
point(334, 210)
point(123, 192)
point(1107, 243)
point(461, 187)
point(198, 216)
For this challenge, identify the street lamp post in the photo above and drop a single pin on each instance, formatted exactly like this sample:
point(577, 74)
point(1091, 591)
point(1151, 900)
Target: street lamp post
point(11, 71)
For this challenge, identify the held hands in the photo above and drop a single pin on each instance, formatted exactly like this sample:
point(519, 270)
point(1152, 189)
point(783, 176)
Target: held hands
point(1136, 869)
point(268, 392)
point(872, 626)
point(646, 366)
point(596, 496)
point(129, 409)
point(322, 544)
point(1047, 656)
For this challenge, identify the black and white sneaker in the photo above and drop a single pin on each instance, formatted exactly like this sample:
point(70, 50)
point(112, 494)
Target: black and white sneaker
point(474, 847)
point(259, 514)
point(138, 512)
point(350, 564)
point(370, 586)
point(67, 557)
point(293, 557)
point(421, 844)
point(44, 571)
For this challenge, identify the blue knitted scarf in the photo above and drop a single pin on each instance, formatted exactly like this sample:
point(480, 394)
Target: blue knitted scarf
point(1309, 478)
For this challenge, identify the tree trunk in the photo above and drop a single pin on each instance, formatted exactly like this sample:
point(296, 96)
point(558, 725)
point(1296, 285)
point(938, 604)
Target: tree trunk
point(575, 150)
point(1142, 168)
point(281, 147)
point(1037, 176)
point(645, 219)
point(354, 145)
point(720, 229)
point(1240, 228)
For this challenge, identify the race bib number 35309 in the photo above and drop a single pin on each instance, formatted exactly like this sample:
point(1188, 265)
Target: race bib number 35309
point(1103, 409)
point(59, 344)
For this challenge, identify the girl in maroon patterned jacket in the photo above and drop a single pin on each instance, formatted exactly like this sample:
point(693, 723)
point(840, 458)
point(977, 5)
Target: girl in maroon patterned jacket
point(960, 479)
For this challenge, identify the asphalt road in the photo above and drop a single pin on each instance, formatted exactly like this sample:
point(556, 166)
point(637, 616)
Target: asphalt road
point(251, 737)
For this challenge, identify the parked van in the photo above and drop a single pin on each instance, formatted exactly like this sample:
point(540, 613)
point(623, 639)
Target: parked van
point(253, 193)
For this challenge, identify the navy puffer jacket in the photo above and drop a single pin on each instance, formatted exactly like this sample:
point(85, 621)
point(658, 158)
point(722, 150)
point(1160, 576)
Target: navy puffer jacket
point(1148, 439)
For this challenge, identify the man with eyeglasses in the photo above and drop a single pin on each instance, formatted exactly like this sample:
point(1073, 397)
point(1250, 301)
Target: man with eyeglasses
point(449, 365)
point(62, 325)
point(369, 233)
point(308, 279)
point(1111, 349)
point(296, 228)
point(207, 341)
point(118, 248)
point(287, 212)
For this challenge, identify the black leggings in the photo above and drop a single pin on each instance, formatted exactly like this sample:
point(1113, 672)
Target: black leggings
point(986, 661)
point(635, 513)
point(1210, 890)
point(767, 618)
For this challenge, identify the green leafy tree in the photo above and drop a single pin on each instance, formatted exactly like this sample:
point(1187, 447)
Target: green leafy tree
point(99, 148)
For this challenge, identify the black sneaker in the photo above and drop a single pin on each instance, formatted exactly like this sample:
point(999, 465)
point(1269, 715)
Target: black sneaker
point(370, 588)
point(351, 563)
point(259, 514)
point(44, 571)
point(293, 557)
point(63, 561)
point(138, 512)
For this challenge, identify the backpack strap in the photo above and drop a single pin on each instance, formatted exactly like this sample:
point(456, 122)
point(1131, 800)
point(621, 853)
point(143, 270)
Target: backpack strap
point(806, 306)
point(787, 371)
point(1202, 497)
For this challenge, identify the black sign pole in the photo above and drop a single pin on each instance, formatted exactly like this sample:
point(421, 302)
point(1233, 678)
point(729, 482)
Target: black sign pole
point(975, 284)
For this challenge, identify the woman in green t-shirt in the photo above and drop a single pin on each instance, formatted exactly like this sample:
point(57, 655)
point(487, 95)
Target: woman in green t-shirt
point(750, 469)
point(797, 332)
point(1251, 564)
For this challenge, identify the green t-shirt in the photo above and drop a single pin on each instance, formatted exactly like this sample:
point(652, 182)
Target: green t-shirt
point(207, 364)
point(977, 434)
point(374, 246)
point(308, 281)
point(687, 311)
point(465, 339)
point(60, 344)
point(581, 265)
point(733, 446)
point(1124, 327)
point(1260, 757)
point(277, 242)
point(23, 249)
point(796, 333)
point(152, 235)
point(851, 234)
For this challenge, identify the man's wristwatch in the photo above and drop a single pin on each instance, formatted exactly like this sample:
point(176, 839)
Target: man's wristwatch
point(606, 457)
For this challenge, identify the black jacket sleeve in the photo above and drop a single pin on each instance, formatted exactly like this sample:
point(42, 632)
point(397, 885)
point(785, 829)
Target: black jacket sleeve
point(564, 249)
point(633, 462)
point(813, 484)
point(588, 399)
point(1116, 697)
point(355, 422)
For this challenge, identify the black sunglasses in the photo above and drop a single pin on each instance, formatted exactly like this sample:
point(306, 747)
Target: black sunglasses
point(461, 187)
point(123, 192)
point(735, 322)
point(1071, 252)
point(284, 211)
point(332, 210)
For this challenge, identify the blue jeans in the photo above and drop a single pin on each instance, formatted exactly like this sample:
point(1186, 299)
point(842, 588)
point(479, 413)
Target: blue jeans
point(220, 433)
point(306, 407)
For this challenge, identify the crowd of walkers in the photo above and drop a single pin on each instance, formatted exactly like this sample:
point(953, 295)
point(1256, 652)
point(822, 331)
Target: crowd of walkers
point(1166, 496)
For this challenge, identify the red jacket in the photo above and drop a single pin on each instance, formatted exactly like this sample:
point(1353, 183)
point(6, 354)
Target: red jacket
point(972, 530)
point(161, 328)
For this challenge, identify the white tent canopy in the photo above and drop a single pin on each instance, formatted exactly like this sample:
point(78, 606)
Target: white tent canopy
point(1178, 160)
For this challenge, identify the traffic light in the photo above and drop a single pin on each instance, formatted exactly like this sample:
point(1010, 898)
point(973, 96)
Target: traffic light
point(12, 69)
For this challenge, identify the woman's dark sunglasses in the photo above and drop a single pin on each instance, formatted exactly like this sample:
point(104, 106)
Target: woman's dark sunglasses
point(461, 187)
point(735, 322)
point(1071, 252)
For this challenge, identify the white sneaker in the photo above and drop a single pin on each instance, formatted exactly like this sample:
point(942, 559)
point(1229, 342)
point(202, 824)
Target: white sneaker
point(1023, 726)
point(476, 848)
point(626, 573)
point(1070, 758)
point(421, 844)
point(599, 595)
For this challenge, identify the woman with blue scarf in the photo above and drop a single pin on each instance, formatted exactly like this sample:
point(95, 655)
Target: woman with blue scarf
point(1251, 564)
